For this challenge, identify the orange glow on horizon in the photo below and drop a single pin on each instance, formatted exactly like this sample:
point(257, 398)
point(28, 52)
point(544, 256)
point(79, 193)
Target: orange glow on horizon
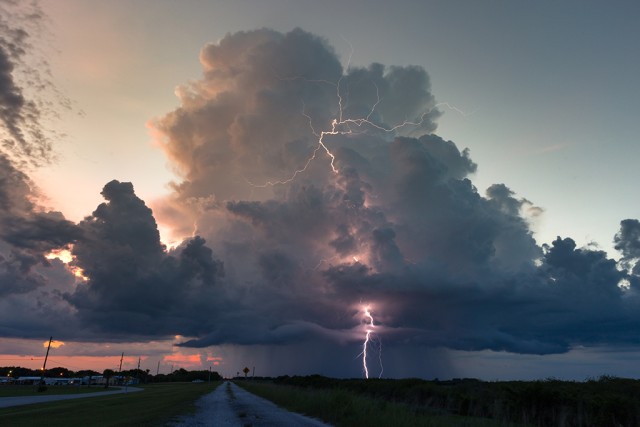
point(77, 356)
point(217, 360)
point(182, 358)
point(74, 363)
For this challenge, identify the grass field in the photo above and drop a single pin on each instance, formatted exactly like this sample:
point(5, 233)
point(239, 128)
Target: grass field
point(348, 409)
point(154, 406)
point(603, 402)
point(30, 390)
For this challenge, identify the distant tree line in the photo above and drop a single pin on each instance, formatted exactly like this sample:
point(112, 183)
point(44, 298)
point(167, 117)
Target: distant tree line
point(181, 375)
point(606, 401)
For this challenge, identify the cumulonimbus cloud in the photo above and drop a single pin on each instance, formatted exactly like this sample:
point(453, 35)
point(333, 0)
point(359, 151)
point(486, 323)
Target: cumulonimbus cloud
point(392, 218)
point(311, 190)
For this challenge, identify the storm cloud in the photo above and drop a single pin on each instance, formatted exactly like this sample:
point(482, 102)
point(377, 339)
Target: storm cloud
point(31, 285)
point(306, 191)
point(134, 286)
point(627, 241)
point(27, 233)
point(390, 217)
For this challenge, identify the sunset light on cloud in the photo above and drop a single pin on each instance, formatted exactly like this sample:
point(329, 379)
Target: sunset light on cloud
point(291, 188)
point(54, 344)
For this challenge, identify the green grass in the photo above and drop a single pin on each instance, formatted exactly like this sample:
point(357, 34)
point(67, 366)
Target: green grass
point(346, 409)
point(30, 390)
point(154, 406)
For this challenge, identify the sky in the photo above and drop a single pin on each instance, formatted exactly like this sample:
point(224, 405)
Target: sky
point(270, 183)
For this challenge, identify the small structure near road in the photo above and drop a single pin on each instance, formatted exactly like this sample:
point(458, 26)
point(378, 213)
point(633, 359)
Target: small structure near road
point(48, 381)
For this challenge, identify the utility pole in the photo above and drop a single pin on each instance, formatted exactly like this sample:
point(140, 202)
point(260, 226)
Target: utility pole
point(44, 365)
point(209, 373)
point(120, 368)
point(138, 370)
point(158, 369)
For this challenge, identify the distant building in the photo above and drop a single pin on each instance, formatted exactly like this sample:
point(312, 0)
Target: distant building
point(63, 381)
point(48, 381)
point(28, 380)
point(122, 380)
point(95, 380)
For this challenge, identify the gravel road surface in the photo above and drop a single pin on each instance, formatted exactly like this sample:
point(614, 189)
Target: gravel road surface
point(6, 402)
point(231, 406)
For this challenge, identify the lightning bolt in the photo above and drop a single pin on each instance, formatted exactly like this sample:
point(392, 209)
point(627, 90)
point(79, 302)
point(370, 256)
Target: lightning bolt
point(368, 339)
point(350, 126)
point(456, 109)
point(347, 126)
point(367, 313)
point(322, 261)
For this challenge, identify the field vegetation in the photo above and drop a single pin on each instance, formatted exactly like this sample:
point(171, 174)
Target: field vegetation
point(30, 390)
point(156, 405)
point(602, 402)
point(345, 408)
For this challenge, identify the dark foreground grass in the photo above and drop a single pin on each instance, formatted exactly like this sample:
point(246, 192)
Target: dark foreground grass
point(154, 406)
point(29, 390)
point(346, 409)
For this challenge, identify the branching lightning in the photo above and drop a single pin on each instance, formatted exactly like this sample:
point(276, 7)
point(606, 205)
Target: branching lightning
point(322, 261)
point(454, 108)
point(369, 338)
point(367, 314)
point(345, 126)
point(341, 126)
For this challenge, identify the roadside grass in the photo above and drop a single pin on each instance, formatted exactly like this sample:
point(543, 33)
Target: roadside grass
point(30, 390)
point(156, 405)
point(347, 409)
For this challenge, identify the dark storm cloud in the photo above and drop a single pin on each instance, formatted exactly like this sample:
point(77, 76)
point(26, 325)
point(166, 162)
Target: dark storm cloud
point(31, 286)
point(627, 241)
point(573, 297)
point(15, 277)
point(27, 233)
point(135, 287)
point(40, 231)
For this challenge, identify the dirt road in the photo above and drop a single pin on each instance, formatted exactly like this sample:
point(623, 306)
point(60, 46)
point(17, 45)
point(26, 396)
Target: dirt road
point(231, 406)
